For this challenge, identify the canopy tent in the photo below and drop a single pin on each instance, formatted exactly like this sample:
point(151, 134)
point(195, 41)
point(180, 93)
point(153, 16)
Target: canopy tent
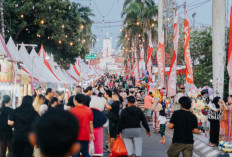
point(40, 68)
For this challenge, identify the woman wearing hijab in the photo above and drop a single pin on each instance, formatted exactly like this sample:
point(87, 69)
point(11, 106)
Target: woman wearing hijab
point(22, 119)
point(5, 130)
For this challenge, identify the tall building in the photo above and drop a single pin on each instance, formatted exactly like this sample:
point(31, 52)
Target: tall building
point(107, 47)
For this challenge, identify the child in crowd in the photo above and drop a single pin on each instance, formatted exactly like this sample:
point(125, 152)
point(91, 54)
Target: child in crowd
point(55, 134)
point(162, 122)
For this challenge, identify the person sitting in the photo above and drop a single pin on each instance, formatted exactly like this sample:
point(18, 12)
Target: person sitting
point(55, 134)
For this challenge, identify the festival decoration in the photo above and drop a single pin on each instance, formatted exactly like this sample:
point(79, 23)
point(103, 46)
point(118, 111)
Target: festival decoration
point(229, 62)
point(197, 108)
point(187, 55)
point(171, 90)
point(149, 60)
point(160, 60)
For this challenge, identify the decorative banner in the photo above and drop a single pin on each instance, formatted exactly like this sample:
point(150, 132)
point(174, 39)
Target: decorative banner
point(161, 60)
point(128, 67)
point(187, 55)
point(141, 61)
point(173, 69)
point(136, 71)
point(149, 60)
point(229, 63)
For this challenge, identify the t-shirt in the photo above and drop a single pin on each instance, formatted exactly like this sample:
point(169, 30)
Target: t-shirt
point(5, 129)
point(114, 112)
point(87, 100)
point(97, 103)
point(162, 119)
point(84, 115)
point(148, 100)
point(70, 101)
point(184, 122)
point(46, 102)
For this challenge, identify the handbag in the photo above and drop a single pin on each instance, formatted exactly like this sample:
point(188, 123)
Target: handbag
point(119, 148)
point(91, 148)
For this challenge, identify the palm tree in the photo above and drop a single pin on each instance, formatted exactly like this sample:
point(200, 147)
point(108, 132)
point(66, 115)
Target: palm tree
point(138, 23)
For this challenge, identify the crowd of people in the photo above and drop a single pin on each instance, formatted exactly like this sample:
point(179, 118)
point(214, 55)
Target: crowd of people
point(47, 125)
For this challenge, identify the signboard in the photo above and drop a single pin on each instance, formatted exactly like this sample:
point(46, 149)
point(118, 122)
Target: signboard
point(91, 56)
point(6, 72)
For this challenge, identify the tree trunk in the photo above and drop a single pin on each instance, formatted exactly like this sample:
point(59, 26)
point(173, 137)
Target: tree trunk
point(219, 12)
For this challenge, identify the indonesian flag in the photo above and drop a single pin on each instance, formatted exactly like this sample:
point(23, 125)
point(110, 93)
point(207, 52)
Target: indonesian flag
point(229, 62)
point(160, 60)
point(141, 61)
point(171, 91)
point(187, 55)
point(136, 71)
point(149, 60)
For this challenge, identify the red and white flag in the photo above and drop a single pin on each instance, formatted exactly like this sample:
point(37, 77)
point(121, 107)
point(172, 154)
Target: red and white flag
point(187, 55)
point(160, 56)
point(229, 62)
point(149, 60)
point(141, 61)
point(128, 67)
point(136, 71)
point(172, 73)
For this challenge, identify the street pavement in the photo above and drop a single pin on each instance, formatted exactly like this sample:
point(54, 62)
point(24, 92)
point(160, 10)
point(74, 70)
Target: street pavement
point(152, 147)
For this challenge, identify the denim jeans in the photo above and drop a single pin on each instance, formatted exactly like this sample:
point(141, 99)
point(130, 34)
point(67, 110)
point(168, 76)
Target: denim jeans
point(84, 149)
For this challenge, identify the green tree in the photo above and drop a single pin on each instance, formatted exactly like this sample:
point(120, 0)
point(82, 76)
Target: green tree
point(64, 28)
point(138, 23)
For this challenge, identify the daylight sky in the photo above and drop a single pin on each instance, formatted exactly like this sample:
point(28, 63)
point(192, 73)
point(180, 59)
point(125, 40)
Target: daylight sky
point(111, 10)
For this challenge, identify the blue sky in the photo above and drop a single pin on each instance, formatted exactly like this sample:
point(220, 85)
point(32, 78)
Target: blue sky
point(111, 10)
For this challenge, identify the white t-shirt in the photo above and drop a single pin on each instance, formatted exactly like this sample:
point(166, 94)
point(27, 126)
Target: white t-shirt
point(162, 119)
point(97, 102)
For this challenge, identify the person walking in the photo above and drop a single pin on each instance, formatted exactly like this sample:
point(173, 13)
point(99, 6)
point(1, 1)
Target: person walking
point(113, 118)
point(129, 127)
point(48, 96)
point(22, 119)
point(6, 132)
point(99, 119)
point(214, 117)
point(85, 117)
point(148, 101)
point(184, 123)
point(88, 94)
point(162, 123)
point(39, 105)
point(156, 108)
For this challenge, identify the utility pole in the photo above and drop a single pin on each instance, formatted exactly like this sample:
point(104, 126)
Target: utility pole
point(194, 16)
point(2, 19)
point(160, 29)
point(219, 21)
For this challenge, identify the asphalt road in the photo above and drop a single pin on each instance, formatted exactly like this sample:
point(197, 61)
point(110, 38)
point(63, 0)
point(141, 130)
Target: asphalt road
point(152, 147)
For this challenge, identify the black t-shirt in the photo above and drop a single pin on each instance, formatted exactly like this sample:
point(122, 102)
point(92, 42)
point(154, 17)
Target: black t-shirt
point(70, 101)
point(87, 100)
point(23, 121)
point(5, 130)
point(46, 101)
point(184, 122)
point(114, 112)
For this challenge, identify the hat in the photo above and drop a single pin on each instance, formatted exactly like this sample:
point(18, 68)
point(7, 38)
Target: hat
point(131, 99)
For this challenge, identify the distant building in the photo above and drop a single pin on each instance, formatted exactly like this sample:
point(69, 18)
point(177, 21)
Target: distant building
point(107, 47)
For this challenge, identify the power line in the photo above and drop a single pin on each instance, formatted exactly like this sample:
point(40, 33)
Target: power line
point(98, 10)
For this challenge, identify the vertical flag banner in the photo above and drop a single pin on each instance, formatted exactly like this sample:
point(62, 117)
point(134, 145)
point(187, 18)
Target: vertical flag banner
point(161, 60)
point(187, 55)
point(136, 70)
point(229, 62)
point(128, 67)
point(141, 61)
point(149, 60)
point(172, 73)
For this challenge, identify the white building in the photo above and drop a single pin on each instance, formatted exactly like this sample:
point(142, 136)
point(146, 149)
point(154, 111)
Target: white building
point(107, 47)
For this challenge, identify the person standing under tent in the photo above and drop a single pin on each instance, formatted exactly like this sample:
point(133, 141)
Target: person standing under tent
point(48, 96)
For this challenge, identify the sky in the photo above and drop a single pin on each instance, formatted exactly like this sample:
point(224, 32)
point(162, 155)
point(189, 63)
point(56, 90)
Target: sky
point(110, 11)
